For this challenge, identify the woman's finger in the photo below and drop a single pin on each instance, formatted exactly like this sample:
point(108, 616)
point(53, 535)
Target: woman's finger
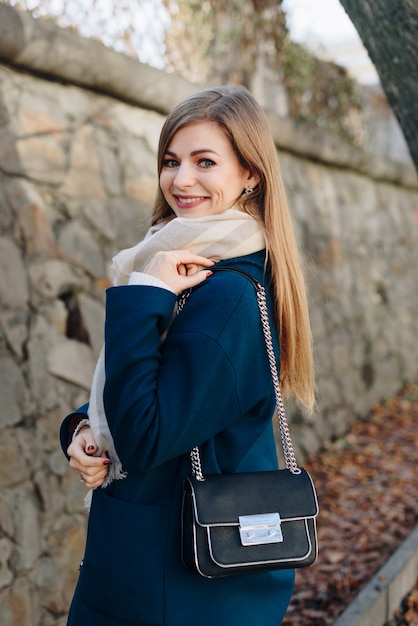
point(90, 445)
point(86, 466)
point(81, 456)
point(179, 269)
point(188, 282)
point(185, 257)
point(192, 268)
point(92, 481)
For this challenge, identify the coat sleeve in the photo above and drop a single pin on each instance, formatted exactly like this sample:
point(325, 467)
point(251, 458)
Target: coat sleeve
point(163, 399)
point(69, 425)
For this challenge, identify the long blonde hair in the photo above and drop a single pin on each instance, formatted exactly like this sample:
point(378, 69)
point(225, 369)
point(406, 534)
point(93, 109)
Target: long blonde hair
point(244, 122)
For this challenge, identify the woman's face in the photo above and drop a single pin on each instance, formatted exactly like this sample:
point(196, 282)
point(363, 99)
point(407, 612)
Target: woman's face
point(201, 174)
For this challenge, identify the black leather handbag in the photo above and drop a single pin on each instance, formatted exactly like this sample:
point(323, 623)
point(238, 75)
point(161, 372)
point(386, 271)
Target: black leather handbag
point(246, 522)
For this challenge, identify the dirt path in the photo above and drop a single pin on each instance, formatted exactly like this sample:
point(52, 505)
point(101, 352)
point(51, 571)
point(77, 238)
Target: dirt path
point(367, 484)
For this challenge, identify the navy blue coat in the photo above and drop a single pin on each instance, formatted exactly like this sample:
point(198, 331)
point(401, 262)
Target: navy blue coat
point(208, 384)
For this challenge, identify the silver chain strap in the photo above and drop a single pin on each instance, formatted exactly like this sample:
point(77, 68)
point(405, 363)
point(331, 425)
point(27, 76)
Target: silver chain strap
point(288, 452)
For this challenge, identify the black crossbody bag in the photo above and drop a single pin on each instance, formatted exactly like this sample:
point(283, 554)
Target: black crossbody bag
point(246, 522)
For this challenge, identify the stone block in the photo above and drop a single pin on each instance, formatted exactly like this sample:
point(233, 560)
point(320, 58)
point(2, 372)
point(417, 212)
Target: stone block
point(138, 123)
point(17, 464)
point(308, 440)
point(108, 151)
point(42, 385)
point(27, 531)
point(42, 158)
point(72, 361)
point(132, 218)
point(54, 277)
point(9, 156)
point(33, 217)
point(15, 326)
point(41, 113)
point(6, 213)
point(56, 313)
point(84, 177)
point(80, 248)
point(16, 607)
point(6, 513)
point(47, 487)
point(96, 212)
point(15, 397)
point(14, 292)
point(47, 434)
point(93, 314)
point(57, 570)
point(6, 574)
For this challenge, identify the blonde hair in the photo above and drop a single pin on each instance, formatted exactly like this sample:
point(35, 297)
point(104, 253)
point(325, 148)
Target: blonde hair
point(245, 124)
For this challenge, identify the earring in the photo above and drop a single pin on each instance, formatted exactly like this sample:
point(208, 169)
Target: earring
point(248, 190)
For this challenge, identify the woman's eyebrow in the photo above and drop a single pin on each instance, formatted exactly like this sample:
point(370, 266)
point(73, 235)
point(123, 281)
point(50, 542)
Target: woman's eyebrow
point(194, 153)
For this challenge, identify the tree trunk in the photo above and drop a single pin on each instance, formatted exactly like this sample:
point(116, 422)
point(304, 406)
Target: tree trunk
point(389, 31)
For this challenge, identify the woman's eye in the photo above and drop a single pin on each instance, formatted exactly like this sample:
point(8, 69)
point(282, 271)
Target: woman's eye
point(170, 163)
point(206, 163)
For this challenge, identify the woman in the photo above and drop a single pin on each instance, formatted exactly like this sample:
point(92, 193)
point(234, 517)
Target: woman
point(201, 377)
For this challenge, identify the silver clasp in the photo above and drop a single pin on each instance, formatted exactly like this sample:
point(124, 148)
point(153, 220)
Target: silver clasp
point(256, 530)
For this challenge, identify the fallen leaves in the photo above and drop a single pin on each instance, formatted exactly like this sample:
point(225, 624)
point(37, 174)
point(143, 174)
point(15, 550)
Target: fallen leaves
point(368, 492)
point(407, 614)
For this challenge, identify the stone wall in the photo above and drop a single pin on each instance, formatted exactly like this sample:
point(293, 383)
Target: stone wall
point(77, 180)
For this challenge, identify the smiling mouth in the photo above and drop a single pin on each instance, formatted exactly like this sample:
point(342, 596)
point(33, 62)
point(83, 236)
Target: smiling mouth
point(188, 200)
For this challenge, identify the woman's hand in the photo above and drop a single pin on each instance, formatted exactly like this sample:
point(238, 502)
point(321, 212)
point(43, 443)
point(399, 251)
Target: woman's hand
point(92, 469)
point(179, 269)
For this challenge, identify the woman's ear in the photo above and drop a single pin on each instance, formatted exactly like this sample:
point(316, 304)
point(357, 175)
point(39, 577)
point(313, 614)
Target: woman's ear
point(252, 180)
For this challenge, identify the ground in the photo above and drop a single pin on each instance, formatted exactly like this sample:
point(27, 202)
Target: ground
point(367, 489)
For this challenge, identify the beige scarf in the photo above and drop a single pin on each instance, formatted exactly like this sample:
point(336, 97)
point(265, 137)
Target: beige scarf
point(227, 235)
point(224, 236)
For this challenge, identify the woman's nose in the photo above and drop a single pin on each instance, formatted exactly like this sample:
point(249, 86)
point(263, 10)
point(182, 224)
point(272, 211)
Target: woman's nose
point(184, 176)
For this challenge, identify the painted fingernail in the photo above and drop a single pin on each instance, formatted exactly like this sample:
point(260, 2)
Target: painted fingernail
point(90, 448)
point(209, 274)
point(107, 462)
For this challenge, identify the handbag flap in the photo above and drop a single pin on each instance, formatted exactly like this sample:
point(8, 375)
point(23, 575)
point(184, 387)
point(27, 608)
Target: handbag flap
point(221, 498)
